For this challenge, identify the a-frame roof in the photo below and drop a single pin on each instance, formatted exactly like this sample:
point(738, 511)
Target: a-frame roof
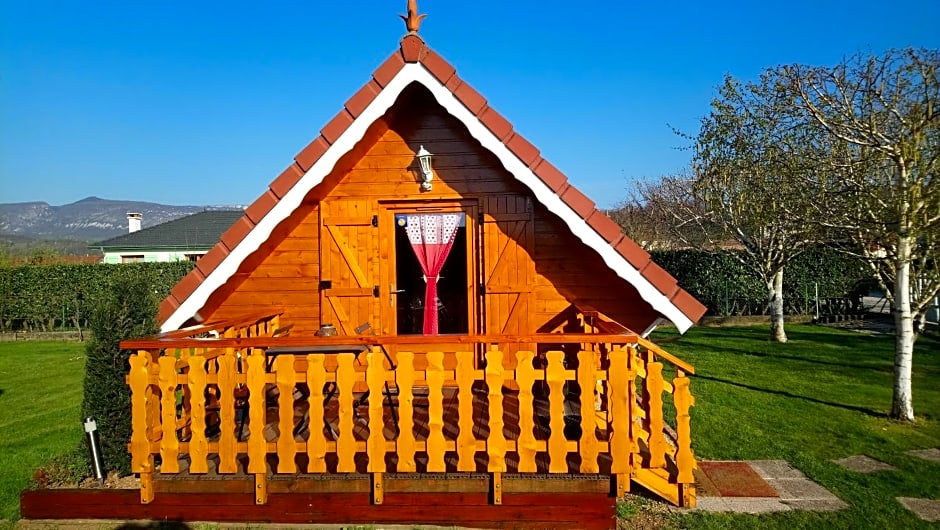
point(415, 62)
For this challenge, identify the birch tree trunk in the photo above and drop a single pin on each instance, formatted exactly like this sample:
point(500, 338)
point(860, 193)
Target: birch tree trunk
point(775, 303)
point(902, 406)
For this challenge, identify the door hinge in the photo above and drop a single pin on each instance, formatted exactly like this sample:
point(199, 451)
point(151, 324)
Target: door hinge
point(482, 288)
point(375, 291)
point(325, 284)
point(375, 220)
point(480, 217)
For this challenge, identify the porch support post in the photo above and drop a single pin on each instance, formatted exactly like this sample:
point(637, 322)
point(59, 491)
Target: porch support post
point(261, 488)
point(497, 488)
point(377, 494)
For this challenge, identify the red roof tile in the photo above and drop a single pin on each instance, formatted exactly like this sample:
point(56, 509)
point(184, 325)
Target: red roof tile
point(360, 100)
point(414, 50)
point(337, 126)
point(551, 176)
point(689, 306)
point(234, 235)
point(262, 206)
point(187, 285)
point(167, 307)
point(578, 201)
point(496, 123)
point(632, 252)
point(210, 260)
point(439, 68)
point(470, 98)
point(384, 74)
point(523, 149)
point(286, 180)
point(604, 226)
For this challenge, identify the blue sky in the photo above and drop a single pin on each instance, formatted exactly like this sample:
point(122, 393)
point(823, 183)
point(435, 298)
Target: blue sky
point(206, 102)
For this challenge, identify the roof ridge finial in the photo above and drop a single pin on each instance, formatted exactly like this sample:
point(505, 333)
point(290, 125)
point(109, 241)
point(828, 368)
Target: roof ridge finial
point(413, 19)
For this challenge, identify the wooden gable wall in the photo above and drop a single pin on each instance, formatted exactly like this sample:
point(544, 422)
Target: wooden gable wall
point(548, 268)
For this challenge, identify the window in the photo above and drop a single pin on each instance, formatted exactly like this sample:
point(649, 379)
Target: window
point(132, 259)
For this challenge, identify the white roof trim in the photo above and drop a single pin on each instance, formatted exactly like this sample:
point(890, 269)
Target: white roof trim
point(415, 72)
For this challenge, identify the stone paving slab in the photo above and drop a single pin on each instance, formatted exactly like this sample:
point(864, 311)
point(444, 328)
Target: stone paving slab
point(791, 489)
point(795, 490)
point(863, 464)
point(741, 504)
point(932, 454)
point(926, 509)
point(775, 469)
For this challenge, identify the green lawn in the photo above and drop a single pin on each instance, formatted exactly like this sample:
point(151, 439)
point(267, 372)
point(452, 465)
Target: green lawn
point(40, 394)
point(822, 396)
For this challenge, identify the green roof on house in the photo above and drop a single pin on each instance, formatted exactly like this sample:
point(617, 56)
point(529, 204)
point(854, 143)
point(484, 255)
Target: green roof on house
point(199, 230)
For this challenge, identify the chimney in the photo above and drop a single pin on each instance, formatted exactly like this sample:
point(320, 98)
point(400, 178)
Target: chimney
point(133, 222)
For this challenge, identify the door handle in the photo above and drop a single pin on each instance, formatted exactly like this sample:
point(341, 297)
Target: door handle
point(393, 291)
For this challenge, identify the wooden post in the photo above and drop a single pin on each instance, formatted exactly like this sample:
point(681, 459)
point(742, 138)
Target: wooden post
point(405, 445)
point(378, 496)
point(198, 445)
point(620, 402)
point(557, 444)
point(257, 445)
point(141, 459)
point(227, 450)
point(496, 443)
point(526, 445)
point(435, 444)
point(169, 443)
point(497, 488)
point(316, 444)
point(375, 379)
point(346, 441)
point(657, 441)
point(683, 399)
point(466, 442)
point(587, 380)
point(286, 446)
point(261, 488)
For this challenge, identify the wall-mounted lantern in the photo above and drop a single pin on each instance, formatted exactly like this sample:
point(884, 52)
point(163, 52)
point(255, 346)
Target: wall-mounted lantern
point(424, 160)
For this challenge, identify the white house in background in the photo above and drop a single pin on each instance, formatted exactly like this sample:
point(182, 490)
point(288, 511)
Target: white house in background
point(183, 239)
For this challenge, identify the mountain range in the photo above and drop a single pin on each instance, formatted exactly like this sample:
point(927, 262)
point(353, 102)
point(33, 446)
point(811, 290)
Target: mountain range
point(91, 219)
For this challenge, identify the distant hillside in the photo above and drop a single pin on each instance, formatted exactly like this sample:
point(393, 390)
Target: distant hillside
point(92, 219)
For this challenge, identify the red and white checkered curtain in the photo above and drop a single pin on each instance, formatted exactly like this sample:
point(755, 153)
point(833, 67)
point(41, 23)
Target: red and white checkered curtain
point(431, 236)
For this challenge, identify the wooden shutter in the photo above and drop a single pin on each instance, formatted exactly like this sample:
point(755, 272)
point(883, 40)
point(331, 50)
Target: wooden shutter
point(508, 265)
point(349, 265)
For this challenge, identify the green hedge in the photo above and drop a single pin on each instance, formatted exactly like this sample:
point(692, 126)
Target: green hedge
point(720, 282)
point(50, 297)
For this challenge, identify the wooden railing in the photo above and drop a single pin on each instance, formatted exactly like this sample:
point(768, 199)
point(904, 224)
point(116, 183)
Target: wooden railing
point(458, 408)
point(665, 451)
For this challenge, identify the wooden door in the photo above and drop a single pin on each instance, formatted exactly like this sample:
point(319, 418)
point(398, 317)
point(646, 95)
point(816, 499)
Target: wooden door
point(349, 265)
point(508, 266)
point(389, 291)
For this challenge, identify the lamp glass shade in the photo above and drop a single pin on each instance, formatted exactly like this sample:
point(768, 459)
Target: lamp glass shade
point(424, 158)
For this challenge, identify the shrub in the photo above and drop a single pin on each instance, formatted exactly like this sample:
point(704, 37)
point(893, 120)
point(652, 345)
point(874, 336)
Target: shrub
point(726, 287)
point(46, 297)
point(129, 310)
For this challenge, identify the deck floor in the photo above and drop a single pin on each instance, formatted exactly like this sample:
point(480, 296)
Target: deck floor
point(327, 425)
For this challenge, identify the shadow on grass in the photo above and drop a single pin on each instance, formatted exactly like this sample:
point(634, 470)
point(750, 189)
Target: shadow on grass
point(863, 410)
point(156, 525)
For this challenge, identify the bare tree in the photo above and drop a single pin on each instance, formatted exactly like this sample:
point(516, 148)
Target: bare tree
point(744, 189)
point(879, 178)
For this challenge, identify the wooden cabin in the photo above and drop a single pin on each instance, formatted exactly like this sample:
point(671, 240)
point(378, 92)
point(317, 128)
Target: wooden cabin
point(536, 378)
